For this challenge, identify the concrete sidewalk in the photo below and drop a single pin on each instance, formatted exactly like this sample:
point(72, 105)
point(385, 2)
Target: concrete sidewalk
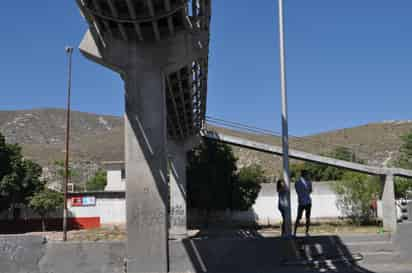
point(241, 251)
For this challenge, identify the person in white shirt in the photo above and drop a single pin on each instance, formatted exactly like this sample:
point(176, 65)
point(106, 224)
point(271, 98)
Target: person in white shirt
point(283, 190)
point(303, 189)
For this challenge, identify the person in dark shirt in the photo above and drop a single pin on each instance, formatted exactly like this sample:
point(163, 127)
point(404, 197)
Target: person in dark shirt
point(303, 189)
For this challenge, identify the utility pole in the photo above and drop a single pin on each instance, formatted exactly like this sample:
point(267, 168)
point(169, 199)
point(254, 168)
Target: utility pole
point(69, 51)
point(285, 129)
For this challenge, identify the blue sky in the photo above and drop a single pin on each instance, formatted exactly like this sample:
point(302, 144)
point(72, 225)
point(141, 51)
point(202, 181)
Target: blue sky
point(348, 62)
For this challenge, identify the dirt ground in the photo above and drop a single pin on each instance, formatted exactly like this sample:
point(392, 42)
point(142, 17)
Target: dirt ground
point(118, 232)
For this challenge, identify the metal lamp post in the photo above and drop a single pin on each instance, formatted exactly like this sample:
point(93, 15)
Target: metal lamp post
point(285, 130)
point(69, 51)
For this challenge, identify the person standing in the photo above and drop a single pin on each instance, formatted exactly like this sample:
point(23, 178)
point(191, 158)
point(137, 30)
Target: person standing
point(303, 189)
point(282, 190)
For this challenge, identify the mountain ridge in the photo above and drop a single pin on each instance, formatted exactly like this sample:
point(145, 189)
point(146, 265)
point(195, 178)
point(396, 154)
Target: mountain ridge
point(99, 137)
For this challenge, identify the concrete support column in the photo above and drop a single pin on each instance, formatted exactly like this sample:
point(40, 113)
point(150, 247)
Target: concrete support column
point(388, 203)
point(178, 207)
point(146, 170)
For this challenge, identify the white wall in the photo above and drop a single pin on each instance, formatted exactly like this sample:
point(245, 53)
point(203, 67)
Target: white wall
point(264, 211)
point(115, 181)
point(110, 211)
point(266, 208)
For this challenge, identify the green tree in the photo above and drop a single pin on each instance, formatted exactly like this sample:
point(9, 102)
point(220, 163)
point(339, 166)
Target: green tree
point(295, 170)
point(61, 172)
point(356, 192)
point(214, 183)
point(45, 202)
point(247, 186)
point(405, 158)
point(4, 157)
point(211, 175)
point(19, 177)
point(253, 172)
point(319, 172)
point(404, 185)
point(98, 182)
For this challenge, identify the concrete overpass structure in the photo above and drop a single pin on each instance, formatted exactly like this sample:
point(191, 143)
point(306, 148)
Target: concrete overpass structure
point(387, 174)
point(160, 49)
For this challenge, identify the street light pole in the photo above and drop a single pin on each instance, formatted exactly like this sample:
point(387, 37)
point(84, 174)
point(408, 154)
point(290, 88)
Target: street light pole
point(69, 51)
point(285, 129)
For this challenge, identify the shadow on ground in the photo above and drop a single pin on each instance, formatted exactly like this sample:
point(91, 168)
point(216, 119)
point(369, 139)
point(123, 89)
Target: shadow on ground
point(247, 251)
point(209, 251)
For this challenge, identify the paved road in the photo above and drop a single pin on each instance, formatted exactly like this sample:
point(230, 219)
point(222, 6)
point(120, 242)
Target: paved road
point(240, 252)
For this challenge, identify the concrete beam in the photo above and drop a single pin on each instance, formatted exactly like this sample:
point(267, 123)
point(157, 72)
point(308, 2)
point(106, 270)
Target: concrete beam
point(388, 203)
point(115, 14)
point(98, 54)
point(299, 155)
point(133, 15)
point(277, 150)
point(402, 172)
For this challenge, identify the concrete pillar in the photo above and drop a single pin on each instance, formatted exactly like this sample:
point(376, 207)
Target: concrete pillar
point(178, 208)
point(146, 170)
point(388, 203)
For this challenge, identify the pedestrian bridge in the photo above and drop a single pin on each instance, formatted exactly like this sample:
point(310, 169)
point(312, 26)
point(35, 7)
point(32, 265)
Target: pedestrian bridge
point(304, 156)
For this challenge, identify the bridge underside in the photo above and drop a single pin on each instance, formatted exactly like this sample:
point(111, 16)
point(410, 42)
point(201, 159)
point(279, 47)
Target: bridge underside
point(148, 23)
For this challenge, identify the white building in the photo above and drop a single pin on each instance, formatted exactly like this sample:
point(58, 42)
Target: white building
point(116, 176)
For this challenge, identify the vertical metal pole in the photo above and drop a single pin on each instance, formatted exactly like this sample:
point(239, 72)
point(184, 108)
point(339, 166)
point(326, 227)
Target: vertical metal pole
point(69, 51)
point(285, 130)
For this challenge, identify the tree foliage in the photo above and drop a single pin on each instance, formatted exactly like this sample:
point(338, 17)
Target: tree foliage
point(404, 185)
point(45, 202)
point(247, 187)
point(355, 191)
point(319, 172)
point(253, 172)
point(19, 177)
point(405, 158)
point(213, 181)
point(211, 174)
point(355, 195)
point(61, 172)
point(98, 182)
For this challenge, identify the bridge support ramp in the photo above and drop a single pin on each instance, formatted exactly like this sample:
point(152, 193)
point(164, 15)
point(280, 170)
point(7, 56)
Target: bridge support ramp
point(178, 209)
point(178, 185)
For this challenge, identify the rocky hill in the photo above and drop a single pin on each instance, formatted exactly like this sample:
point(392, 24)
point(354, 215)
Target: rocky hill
point(96, 138)
point(41, 133)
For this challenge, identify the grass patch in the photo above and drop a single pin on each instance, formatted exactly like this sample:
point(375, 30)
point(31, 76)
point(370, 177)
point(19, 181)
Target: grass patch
point(114, 233)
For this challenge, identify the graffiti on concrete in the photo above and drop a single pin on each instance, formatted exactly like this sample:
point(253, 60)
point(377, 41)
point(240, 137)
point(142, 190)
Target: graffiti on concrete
point(178, 215)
